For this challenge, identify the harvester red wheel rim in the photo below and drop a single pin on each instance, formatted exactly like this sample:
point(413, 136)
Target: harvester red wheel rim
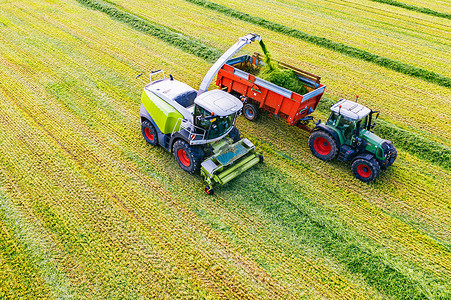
point(183, 157)
point(322, 146)
point(148, 134)
point(364, 171)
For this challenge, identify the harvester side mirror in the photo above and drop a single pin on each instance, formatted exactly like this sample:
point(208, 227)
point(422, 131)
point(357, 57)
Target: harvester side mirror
point(154, 73)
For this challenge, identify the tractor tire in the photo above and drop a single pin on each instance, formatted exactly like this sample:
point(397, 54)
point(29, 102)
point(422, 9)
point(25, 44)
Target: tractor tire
point(235, 134)
point(250, 111)
point(323, 145)
point(365, 170)
point(149, 132)
point(188, 157)
point(394, 155)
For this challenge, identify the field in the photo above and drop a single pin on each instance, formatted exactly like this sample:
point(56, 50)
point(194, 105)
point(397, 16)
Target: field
point(89, 210)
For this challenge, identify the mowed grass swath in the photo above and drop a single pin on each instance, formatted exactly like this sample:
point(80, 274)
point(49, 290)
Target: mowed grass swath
point(88, 209)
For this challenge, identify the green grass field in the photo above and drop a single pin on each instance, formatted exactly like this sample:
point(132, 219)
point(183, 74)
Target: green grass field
point(89, 210)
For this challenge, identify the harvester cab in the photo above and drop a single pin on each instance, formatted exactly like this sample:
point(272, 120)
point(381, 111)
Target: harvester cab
point(347, 135)
point(198, 127)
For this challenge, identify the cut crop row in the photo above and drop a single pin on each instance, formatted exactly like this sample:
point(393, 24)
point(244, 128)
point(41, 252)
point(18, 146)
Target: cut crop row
point(423, 10)
point(351, 51)
point(392, 33)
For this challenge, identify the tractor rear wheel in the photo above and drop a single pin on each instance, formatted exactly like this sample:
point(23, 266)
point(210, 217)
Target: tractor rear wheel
point(189, 158)
point(250, 111)
point(323, 145)
point(149, 132)
point(365, 170)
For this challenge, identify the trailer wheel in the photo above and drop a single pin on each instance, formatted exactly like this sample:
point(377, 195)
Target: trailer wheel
point(323, 145)
point(365, 170)
point(149, 132)
point(250, 111)
point(189, 158)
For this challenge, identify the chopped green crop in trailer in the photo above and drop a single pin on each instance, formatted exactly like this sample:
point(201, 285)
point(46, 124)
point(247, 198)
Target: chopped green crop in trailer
point(282, 77)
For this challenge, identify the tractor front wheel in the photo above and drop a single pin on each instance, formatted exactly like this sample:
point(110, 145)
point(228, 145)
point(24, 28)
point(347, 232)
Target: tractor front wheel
point(250, 111)
point(365, 170)
point(149, 132)
point(323, 145)
point(189, 158)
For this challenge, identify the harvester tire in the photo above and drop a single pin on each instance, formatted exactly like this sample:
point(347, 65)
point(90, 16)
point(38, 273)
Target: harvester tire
point(323, 145)
point(250, 111)
point(235, 134)
point(149, 132)
point(188, 157)
point(209, 190)
point(365, 170)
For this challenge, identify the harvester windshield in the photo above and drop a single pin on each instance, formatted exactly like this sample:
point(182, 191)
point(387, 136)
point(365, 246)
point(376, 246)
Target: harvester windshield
point(215, 126)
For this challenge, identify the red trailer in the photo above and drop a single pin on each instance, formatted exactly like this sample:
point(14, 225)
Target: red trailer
point(258, 94)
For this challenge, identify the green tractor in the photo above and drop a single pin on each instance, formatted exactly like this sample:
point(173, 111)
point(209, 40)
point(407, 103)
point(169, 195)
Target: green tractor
point(347, 136)
point(198, 127)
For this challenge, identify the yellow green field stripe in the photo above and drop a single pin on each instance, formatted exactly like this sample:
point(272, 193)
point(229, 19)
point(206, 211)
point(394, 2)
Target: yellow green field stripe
point(390, 32)
point(173, 38)
point(329, 44)
point(18, 277)
point(423, 10)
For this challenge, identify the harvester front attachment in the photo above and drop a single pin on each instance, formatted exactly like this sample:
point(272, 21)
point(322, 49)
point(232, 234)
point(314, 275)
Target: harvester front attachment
point(228, 161)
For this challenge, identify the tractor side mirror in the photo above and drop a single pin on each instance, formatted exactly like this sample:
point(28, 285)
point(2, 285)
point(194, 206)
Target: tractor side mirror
point(377, 114)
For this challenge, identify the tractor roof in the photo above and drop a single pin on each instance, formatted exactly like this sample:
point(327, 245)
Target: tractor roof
point(219, 102)
point(350, 109)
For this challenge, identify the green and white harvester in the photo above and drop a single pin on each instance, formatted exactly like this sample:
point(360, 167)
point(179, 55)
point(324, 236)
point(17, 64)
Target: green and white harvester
point(198, 127)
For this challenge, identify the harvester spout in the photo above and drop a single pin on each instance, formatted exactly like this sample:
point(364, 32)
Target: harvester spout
point(224, 58)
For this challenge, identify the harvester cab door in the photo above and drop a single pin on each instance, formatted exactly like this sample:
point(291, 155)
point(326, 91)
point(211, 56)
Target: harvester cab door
point(202, 118)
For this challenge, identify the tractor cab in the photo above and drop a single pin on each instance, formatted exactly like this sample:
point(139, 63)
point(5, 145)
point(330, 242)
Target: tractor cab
point(347, 135)
point(349, 117)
